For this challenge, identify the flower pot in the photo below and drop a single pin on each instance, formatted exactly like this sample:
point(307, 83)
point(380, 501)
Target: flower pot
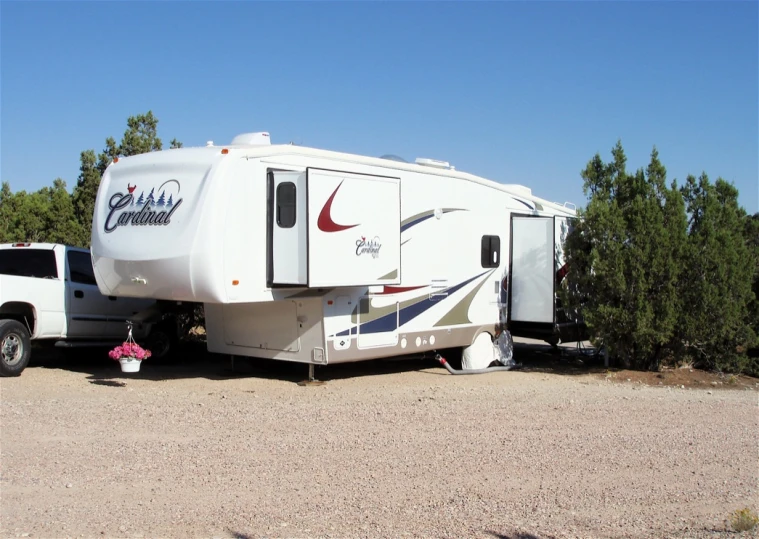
point(130, 364)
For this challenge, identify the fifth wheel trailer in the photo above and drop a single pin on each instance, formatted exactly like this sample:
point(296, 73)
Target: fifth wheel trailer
point(315, 256)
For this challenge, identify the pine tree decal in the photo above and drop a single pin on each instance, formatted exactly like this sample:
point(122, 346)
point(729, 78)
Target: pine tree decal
point(161, 199)
point(150, 200)
point(141, 200)
point(170, 203)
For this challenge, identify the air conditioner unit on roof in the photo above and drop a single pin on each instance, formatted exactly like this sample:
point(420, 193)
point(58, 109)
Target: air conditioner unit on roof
point(260, 138)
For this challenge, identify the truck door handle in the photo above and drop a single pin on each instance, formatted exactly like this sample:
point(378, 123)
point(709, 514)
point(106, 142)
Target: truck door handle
point(78, 294)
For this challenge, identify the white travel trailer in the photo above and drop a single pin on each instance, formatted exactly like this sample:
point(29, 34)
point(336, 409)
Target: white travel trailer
point(316, 256)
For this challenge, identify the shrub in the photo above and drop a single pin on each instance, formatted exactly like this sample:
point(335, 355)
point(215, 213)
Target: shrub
point(743, 520)
point(664, 275)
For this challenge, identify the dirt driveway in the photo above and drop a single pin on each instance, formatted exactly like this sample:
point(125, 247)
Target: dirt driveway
point(383, 449)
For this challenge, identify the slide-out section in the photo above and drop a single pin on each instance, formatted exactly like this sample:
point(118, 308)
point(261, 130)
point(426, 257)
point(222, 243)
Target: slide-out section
point(532, 270)
point(331, 228)
point(354, 229)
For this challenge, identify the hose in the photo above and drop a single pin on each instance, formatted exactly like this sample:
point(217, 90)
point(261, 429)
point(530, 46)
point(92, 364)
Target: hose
point(445, 364)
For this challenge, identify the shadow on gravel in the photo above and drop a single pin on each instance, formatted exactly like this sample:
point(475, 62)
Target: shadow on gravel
point(238, 535)
point(567, 359)
point(194, 361)
point(110, 383)
point(517, 535)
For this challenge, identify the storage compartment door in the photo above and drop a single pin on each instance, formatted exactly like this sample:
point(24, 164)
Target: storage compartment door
point(354, 229)
point(532, 269)
point(288, 229)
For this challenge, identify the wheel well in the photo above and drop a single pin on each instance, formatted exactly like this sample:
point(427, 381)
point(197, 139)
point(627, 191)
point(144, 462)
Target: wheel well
point(480, 331)
point(20, 311)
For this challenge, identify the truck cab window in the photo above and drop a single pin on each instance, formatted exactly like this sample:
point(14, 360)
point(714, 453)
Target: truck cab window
point(23, 262)
point(80, 268)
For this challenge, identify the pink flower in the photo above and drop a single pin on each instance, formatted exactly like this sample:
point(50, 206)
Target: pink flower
point(128, 349)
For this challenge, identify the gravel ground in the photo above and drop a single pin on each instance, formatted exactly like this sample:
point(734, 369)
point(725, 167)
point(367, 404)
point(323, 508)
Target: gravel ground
point(383, 449)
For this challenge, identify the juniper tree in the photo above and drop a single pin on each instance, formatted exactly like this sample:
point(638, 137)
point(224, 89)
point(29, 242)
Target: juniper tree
point(752, 240)
point(718, 275)
point(625, 258)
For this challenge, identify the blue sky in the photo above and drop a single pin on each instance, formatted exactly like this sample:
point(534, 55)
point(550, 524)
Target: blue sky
point(516, 92)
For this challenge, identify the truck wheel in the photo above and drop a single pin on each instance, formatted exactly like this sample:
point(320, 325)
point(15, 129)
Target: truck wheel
point(159, 342)
point(15, 348)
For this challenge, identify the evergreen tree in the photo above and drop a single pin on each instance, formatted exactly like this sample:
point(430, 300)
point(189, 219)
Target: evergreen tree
point(7, 212)
point(161, 199)
point(170, 203)
point(141, 200)
point(625, 260)
point(717, 279)
point(85, 193)
point(752, 240)
point(141, 135)
point(29, 216)
point(62, 225)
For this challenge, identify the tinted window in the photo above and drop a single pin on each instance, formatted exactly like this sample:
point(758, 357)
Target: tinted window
point(490, 252)
point(80, 268)
point(286, 205)
point(25, 262)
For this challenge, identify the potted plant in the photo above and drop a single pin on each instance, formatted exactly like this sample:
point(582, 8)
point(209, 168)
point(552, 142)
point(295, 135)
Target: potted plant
point(129, 354)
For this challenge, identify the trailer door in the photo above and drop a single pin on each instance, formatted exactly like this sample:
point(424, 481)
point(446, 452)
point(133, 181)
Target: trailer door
point(288, 229)
point(532, 269)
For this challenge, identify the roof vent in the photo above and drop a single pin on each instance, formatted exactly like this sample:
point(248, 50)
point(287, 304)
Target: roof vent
point(432, 162)
point(260, 138)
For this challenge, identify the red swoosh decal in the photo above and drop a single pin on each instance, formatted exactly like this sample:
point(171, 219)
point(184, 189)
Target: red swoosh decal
point(325, 222)
point(398, 289)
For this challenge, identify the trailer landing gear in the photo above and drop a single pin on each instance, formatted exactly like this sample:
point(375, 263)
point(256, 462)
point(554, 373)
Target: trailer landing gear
point(311, 380)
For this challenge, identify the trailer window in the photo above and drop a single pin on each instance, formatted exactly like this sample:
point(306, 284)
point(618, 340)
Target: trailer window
point(23, 262)
point(80, 267)
point(490, 252)
point(286, 205)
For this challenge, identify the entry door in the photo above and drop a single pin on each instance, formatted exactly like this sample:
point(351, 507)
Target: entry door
point(532, 269)
point(288, 225)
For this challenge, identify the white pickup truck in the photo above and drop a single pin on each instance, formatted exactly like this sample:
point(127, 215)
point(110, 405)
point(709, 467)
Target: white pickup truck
point(48, 292)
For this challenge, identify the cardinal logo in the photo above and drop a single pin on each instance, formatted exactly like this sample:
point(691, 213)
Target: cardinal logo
point(370, 247)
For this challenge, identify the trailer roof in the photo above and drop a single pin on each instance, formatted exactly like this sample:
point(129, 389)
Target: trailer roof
point(290, 149)
point(266, 150)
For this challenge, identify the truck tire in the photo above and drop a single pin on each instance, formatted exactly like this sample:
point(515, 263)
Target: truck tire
point(15, 348)
point(162, 340)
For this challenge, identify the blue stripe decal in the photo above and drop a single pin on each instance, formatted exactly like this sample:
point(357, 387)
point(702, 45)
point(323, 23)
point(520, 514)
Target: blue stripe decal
point(523, 202)
point(425, 217)
point(412, 223)
point(387, 322)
